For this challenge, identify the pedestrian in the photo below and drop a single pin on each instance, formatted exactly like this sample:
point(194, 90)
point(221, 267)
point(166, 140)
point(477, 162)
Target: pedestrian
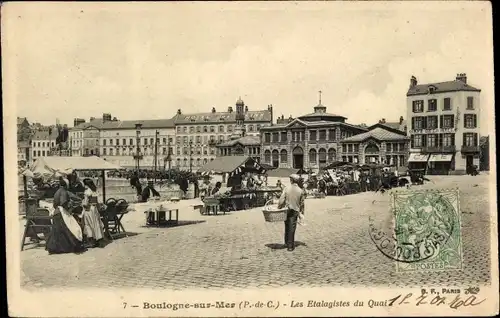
point(292, 198)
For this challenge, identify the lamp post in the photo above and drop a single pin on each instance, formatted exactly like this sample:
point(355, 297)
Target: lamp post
point(157, 133)
point(190, 157)
point(137, 156)
point(168, 158)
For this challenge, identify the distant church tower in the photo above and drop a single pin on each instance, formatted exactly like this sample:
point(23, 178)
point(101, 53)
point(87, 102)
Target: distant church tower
point(239, 129)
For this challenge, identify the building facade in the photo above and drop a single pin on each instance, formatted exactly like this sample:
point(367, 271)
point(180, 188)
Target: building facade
point(444, 125)
point(379, 145)
point(197, 135)
point(43, 142)
point(119, 141)
point(24, 134)
point(309, 141)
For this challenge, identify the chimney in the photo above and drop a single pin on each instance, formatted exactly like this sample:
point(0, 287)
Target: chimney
point(106, 117)
point(270, 109)
point(179, 112)
point(230, 109)
point(382, 121)
point(115, 119)
point(401, 120)
point(213, 109)
point(462, 77)
point(92, 118)
point(246, 109)
point(78, 121)
point(413, 81)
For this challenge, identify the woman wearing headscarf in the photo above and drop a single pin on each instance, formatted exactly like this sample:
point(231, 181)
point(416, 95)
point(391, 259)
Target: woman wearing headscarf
point(93, 226)
point(66, 234)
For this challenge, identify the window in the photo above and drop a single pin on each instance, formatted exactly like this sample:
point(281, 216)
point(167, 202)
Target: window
point(432, 140)
point(322, 155)
point(417, 123)
point(356, 148)
point(283, 136)
point(432, 105)
point(111, 142)
point(331, 154)
point(470, 139)
point(447, 103)
point(221, 128)
point(313, 158)
point(389, 147)
point(212, 129)
point(448, 140)
point(205, 129)
point(43, 153)
point(432, 122)
point(229, 128)
point(250, 127)
point(344, 148)
point(418, 106)
point(43, 144)
point(447, 121)
point(110, 151)
point(349, 148)
point(152, 141)
point(267, 137)
point(104, 142)
point(198, 139)
point(322, 134)
point(417, 141)
point(38, 153)
point(258, 127)
point(178, 151)
point(198, 129)
point(104, 151)
point(470, 121)
point(275, 137)
point(331, 134)
point(178, 129)
point(470, 102)
point(191, 130)
point(164, 141)
point(267, 156)
point(312, 135)
point(185, 139)
point(184, 129)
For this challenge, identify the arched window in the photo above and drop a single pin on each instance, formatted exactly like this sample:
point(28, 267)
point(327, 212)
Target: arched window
point(205, 161)
point(322, 155)
point(205, 129)
point(186, 162)
point(313, 157)
point(198, 162)
point(250, 127)
point(284, 156)
point(178, 162)
point(221, 128)
point(267, 156)
point(276, 158)
point(332, 155)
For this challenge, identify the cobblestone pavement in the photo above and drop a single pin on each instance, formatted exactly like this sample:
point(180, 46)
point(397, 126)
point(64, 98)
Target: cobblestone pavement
point(238, 250)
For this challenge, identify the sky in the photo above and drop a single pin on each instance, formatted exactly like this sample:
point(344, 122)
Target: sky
point(145, 61)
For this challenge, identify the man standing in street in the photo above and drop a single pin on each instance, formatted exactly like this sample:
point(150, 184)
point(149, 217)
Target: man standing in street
point(292, 198)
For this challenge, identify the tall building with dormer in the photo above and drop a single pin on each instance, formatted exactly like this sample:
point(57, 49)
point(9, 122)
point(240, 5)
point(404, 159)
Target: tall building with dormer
point(444, 125)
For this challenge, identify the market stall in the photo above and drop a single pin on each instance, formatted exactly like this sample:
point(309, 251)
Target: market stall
point(51, 168)
point(244, 187)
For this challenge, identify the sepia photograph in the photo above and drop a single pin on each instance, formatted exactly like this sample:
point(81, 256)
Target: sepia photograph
point(249, 159)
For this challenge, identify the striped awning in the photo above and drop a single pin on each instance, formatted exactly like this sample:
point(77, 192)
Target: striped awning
point(416, 157)
point(440, 158)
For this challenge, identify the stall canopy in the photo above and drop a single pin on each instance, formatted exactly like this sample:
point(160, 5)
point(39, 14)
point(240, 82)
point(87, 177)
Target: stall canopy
point(415, 157)
point(55, 166)
point(231, 164)
point(441, 158)
point(337, 164)
point(283, 172)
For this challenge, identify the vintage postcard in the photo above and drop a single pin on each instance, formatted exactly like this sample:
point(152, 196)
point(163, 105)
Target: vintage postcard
point(250, 159)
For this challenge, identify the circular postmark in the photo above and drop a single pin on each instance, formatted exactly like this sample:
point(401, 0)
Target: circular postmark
point(422, 223)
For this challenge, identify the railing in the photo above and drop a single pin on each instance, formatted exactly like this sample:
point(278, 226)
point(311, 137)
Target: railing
point(470, 149)
point(439, 149)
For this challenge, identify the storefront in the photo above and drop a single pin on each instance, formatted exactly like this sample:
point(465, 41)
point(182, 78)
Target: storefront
point(417, 161)
point(440, 164)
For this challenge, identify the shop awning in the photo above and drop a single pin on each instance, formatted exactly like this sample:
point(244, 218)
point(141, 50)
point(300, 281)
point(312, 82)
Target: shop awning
point(416, 157)
point(441, 158)
point(231, 164)
point(55, 166)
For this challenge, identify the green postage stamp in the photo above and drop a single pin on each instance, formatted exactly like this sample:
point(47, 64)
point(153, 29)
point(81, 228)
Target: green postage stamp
point(427, 230)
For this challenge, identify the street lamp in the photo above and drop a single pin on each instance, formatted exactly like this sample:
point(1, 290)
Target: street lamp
point(157, 133)
point(168, 158)
point(138, 156)
point(190, 157)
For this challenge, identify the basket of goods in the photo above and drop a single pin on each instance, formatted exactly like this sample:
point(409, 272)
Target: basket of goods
point(274, 214)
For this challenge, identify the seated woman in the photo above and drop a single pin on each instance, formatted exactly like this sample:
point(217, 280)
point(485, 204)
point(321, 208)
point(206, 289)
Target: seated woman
point(66, 234)
point(93, 226)
point(216, 189)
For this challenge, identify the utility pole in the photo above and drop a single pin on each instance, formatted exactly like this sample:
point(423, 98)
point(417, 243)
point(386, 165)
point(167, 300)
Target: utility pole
point(137, 150)
point(157, 133)
point(169, 158)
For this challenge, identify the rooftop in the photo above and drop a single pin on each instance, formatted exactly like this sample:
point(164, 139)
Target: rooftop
point(44, 135)
point(459, 84)
point(245, 141)
point(222, 117)
point(376, 133)
point(127, 124)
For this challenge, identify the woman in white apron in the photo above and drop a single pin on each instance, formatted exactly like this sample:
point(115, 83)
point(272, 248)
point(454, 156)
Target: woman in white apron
point(93, 227)
point(66, 234)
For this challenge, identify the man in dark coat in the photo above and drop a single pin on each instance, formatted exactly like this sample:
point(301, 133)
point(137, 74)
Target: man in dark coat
point(149, 192)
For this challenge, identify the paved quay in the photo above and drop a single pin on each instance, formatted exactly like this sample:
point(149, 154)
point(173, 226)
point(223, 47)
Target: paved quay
point(240, 250)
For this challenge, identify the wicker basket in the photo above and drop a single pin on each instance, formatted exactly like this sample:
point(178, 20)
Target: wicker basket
point(273, 214)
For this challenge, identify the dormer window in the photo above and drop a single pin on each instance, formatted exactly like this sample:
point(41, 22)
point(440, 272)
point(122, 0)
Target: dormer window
point(432, 89)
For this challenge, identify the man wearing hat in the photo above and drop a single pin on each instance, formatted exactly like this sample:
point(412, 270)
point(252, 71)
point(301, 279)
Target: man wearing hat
point(292, 198)
point(149, 192)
